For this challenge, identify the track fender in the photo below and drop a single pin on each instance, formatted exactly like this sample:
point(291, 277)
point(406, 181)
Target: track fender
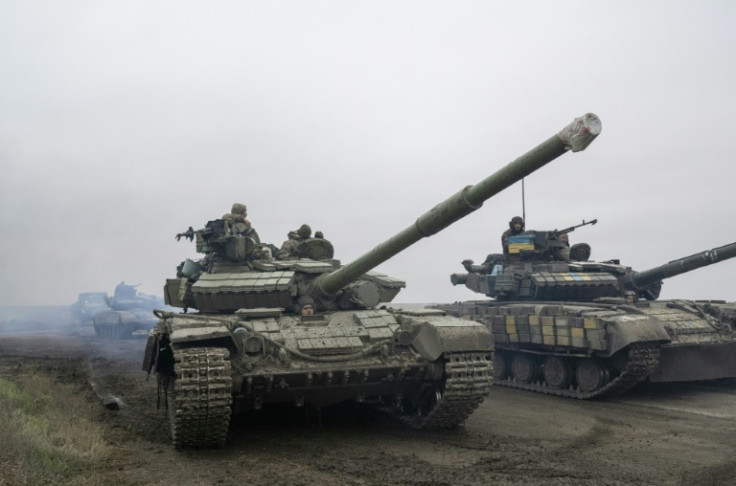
point(437, 335)
point(210, 335)
point(624, 330)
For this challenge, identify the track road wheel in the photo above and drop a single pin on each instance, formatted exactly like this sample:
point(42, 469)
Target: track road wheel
point(500, 365)
point(523, 368)
point(200, 397)
point(591, 375)
point(556, 372)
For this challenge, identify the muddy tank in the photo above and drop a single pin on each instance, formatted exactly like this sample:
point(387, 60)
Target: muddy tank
point(568, 326)
point(129, 313)
point(249, 346)
point(87, 305)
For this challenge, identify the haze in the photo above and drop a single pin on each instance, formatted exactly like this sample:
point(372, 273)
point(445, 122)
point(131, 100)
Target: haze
point(123, 123)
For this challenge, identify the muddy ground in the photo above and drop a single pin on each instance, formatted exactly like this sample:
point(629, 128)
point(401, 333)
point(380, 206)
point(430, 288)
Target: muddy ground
point(657, 435)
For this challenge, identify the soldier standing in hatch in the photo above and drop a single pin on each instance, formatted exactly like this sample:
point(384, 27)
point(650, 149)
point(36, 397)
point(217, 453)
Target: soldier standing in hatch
point(516, 227)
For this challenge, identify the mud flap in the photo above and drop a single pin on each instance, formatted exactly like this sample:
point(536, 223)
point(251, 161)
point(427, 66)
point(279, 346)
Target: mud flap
point(696, 362)
point(150, 352)
point(441, 335)
point(629, 329)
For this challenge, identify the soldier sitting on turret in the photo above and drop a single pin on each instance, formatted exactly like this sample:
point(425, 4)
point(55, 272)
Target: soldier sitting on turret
point(288, 248)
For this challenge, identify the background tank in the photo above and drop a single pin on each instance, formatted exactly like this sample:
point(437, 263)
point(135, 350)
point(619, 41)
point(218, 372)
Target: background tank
point(87, 305)
point(248, 346)
point(128, 312)
point(564, 327)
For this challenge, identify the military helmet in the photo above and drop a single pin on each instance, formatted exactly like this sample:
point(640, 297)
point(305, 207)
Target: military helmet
point(239, 208)
point(304, 231)
point(516, 220)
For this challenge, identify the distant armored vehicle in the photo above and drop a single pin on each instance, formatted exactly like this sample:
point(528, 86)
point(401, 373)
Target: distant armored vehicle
point(87, 305)
point(309, 331)
point(577, 328)
point(128, 312)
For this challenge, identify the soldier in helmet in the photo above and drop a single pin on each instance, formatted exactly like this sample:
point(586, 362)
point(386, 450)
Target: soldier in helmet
point(288, 248)
point(516, 227)
point(630, 297)
point(304, 232)
point(239, 224)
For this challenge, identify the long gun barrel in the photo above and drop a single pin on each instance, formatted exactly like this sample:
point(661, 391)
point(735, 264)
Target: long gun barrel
point(639, 280)
point(575, 137)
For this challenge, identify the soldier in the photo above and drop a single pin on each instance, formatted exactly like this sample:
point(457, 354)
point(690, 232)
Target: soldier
point(516, 227)
point(630, 297)
point(288, 249)
point(564, 252)
point(240, 224)
point(304, 232)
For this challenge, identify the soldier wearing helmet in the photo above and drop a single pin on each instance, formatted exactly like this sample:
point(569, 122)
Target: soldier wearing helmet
point(304, 232)
point(238, 222)
point(288, 248)
point(516, 227)
point(630, 297)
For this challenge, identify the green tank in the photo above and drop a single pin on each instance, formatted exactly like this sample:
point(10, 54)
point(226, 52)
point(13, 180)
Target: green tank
point(128, 312)
point(250, 344)
point(568, 326)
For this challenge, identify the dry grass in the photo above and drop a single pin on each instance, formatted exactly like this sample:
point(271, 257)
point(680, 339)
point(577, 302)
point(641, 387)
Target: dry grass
point(47, 432)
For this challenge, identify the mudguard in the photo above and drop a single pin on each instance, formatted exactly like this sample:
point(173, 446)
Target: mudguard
point(437, 335)
point(626, 329)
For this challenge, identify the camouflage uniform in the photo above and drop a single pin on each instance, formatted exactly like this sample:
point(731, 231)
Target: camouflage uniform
point(288, 249)
point(511, 232)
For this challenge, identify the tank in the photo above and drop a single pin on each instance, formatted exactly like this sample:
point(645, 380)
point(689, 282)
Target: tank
point(129, 313)
point(87, 305)
point(568, 326)
point(311, 331)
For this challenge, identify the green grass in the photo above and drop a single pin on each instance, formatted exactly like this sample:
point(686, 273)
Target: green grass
point(47, 432)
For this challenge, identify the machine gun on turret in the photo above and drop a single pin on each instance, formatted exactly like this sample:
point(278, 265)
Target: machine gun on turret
point(570, 229)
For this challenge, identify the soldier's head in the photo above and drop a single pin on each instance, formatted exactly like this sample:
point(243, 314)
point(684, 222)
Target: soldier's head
point(630, 297)
point(239, 209)
point(304, 231)
point(306, 306)
point(517, 224)
point(565, 239)
point(318, 234)
point(293, 235)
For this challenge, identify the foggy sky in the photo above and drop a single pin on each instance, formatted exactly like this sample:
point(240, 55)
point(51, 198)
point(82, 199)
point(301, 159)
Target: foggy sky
point(123, 123)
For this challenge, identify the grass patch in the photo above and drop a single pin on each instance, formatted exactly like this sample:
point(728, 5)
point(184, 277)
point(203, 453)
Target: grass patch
point(48, 432)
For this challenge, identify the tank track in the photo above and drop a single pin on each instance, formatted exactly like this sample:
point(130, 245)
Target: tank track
point(468, 381)
point(200, 399)
point(642, 361)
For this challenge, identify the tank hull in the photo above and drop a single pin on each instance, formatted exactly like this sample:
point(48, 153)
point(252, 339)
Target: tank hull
point(116, 324)
point(423, 368)
point(591, 350)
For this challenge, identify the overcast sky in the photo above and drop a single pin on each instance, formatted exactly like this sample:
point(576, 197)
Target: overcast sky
point(123, 123)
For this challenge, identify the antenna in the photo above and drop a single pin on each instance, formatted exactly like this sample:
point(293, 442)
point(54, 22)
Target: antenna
point(523, 202)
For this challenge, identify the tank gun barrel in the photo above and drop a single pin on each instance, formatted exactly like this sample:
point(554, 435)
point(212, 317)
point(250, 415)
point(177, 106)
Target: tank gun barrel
point(575, 137)
point(639, 280)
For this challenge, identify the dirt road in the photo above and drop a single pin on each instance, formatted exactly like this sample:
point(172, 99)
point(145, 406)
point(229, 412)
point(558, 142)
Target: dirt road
point(658, 435)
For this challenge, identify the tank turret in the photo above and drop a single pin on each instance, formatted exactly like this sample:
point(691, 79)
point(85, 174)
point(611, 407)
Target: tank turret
point(235, 274)
point(541, 267)
point(306, 330)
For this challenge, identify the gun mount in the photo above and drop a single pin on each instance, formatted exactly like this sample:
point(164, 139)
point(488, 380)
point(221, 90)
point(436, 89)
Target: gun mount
point(249, 344)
